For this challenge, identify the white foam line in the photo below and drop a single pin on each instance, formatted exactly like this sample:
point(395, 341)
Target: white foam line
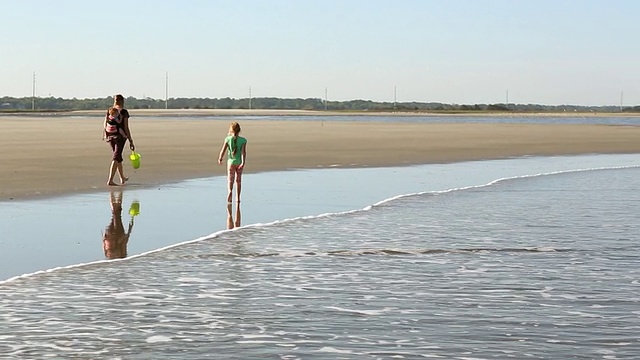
point(288, 220)
point(493, 182)
point(210, 236)
point(40, 272)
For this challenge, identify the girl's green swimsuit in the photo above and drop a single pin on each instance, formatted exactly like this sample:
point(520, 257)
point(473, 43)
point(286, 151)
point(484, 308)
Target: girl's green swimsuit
point(236, 143)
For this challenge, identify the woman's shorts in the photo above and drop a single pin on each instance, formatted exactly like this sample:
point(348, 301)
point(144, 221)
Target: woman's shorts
point(117, 146)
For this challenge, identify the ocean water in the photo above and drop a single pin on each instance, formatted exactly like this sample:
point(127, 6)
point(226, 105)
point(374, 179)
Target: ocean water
point(505, 119)
point(532, 258)
point(399, 118)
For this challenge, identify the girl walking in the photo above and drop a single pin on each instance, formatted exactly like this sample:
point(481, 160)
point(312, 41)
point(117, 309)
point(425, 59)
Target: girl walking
point(236, 146)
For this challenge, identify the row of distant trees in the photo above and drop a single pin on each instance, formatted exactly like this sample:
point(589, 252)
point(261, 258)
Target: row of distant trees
point(59, 104)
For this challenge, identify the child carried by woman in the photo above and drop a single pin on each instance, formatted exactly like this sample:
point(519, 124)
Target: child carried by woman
point(113, 124)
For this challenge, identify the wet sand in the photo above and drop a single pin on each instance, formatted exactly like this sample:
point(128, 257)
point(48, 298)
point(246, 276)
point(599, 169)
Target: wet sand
point(50, 156)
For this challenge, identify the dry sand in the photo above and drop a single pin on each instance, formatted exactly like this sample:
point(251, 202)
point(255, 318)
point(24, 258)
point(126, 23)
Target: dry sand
point(49, 156)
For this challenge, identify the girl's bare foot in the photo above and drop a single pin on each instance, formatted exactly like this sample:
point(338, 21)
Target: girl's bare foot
point(124, 180)
point(111, 183)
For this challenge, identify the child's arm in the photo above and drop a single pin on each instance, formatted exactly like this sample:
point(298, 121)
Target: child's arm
point(222, 151)
point(104, 129)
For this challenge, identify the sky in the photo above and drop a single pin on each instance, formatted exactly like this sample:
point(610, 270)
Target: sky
point(550, 52)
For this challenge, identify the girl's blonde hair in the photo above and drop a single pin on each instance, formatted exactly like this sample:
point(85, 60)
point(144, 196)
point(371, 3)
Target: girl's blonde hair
point(234, 129)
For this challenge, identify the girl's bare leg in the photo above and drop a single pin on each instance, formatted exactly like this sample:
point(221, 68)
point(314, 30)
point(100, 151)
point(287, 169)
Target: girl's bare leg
point(231, 178)
point(229, 217)
point(230, 193)
point(238, 190)
point(237, 223)
point(230, 181)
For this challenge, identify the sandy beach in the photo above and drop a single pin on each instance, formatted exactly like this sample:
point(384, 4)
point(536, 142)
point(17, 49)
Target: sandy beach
point(47, 156)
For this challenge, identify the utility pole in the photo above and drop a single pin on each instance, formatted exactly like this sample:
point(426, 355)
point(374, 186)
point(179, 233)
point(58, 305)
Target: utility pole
point(33, 92)
point(325, 99)
point(249, 97)
point(506, 103)
point(395, 98)
point(166, 90)
point(621, 98)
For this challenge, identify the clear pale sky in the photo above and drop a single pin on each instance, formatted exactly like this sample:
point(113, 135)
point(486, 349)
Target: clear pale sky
point(581, 52)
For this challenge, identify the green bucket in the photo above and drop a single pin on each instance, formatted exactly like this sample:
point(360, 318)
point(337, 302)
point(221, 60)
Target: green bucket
point(134, 210)
point(135, 159)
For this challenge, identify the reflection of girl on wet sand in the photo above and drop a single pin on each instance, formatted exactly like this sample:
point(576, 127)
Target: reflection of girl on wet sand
point(114, 238)
point(230, 223)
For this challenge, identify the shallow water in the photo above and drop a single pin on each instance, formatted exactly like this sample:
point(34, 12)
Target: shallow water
point(43, 234)
point(505, 119)
point(481, 260)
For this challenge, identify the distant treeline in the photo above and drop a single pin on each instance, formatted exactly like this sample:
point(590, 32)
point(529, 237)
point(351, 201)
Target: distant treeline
point(9, 104)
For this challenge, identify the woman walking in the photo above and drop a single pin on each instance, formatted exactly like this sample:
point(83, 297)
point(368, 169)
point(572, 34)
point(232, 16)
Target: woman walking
point(118, 138)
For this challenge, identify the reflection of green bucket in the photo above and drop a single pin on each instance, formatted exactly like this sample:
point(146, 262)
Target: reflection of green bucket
point(134, 210)
point(135, 159)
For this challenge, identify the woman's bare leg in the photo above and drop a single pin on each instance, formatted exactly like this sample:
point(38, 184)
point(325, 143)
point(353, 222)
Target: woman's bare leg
point(123, 179)
point(112, 173)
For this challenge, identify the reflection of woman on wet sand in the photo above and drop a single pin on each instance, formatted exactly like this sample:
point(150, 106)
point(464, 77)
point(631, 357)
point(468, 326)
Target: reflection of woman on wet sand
point(230, 223)
point(114, 238)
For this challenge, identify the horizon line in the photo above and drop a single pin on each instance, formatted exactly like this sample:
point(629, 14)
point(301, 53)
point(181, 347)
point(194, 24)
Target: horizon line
point(318, 99)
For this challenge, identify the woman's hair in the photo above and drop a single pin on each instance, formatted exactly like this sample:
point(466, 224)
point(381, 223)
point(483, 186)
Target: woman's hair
point(118, 100)
point(234, 129)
